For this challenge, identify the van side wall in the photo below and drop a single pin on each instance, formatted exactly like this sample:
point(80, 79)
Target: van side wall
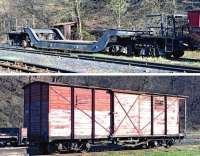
point(55, 112)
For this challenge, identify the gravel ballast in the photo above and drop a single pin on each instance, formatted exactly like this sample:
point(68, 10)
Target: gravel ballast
point(75, 65)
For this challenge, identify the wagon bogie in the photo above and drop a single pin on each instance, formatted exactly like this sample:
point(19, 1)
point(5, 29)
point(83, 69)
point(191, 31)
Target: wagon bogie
point(66, 146)
point(89, 145)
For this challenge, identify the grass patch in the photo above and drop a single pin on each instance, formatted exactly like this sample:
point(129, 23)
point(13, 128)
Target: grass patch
point(194, 133)
point(192, 55)
point(179, 151)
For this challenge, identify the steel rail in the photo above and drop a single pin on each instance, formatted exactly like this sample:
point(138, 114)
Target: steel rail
point(29, 67)
point(151, 65)
point(168, 67)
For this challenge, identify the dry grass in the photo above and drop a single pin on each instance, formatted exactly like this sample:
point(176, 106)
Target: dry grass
point(193, 134)
point(192, 54)
point(188, 54)
point(174, 151)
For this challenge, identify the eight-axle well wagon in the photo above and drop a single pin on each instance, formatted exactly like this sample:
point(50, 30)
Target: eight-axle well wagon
point(66, 117)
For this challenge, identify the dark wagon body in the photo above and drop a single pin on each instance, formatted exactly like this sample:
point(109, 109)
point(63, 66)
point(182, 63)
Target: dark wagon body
point(73, 117)
point(13, 136)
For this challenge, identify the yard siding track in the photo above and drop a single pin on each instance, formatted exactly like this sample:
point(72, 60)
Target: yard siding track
point(28, 68)
point(167, 67)
point(23, 151)
point(135, 152)
point(174, 68)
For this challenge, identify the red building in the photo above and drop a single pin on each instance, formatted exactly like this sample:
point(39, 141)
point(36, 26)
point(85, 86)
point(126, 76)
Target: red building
point(68, 29)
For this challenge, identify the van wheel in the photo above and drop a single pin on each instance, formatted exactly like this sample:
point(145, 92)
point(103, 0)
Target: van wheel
point(24, 44)
point(178, 54)
point(86, 147)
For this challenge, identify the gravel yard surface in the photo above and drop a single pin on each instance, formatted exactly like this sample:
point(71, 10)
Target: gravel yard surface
point(79, 66)
point(9, 71)
point(14, 151)
point(23, 151)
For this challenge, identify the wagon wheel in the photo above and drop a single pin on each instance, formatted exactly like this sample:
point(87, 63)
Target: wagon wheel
point(170, 142)
point(117, 49)
point(24, 44)
point(178, 54)
point(156, 51)
point(114, 49)
point(75, 147)
point(168, 55)
point(145, 145)
point(86, 147)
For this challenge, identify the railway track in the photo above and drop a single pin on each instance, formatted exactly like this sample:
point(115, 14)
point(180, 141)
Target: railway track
point(23, 151)
point(172, 68)
point(28, 68)
point(160, 66)
point(128, 151)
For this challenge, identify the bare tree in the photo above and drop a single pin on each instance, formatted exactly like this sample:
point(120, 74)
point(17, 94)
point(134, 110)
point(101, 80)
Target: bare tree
point(44, 13)
point(77, 10)
point(118, 7)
